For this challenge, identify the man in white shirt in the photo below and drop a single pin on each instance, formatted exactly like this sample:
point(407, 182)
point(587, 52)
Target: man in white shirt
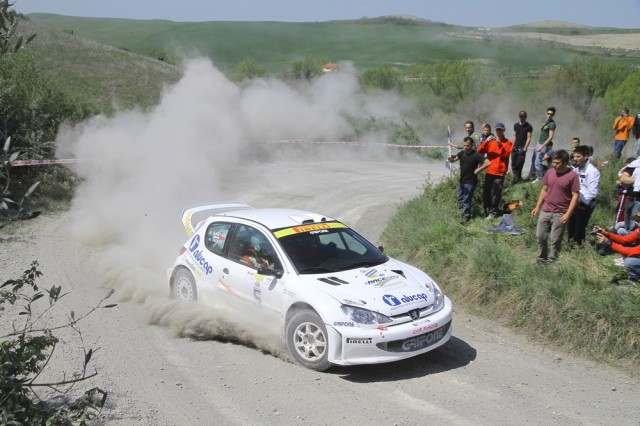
point(589, 179)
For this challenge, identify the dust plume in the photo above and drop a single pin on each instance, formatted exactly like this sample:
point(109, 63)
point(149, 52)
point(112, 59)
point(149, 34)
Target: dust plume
point(140, 169)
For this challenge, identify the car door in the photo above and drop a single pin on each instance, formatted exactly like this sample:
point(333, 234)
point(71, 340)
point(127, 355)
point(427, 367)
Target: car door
point(249, 250)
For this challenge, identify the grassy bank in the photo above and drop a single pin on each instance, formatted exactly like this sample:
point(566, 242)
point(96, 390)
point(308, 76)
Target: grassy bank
point(574, 303)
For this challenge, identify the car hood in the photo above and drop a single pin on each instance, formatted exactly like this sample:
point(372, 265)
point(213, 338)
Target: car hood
point(391, 288)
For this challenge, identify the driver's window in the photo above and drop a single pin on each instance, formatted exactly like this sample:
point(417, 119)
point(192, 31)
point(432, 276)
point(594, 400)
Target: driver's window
point(252, 248)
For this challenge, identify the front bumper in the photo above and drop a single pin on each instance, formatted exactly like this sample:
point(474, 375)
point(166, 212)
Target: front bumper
point(355, 345)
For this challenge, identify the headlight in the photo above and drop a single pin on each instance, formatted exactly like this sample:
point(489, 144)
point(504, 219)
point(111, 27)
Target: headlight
point(364, 316)
point(438, 302)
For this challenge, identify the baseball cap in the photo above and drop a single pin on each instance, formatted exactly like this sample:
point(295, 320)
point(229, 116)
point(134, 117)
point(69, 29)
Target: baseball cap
point(499, 126)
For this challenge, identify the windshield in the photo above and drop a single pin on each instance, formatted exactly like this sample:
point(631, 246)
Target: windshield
point(330, 247)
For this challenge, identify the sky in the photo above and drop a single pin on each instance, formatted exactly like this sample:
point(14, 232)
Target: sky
point(486, 13)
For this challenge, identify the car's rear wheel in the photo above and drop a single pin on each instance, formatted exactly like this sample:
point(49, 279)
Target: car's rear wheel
point(184, 287)
point(308, 341)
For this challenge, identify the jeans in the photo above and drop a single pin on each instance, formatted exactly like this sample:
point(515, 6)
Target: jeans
point(492, 193)
point(618, 146)
point(633, 267)
point(465, 195)
point(518, 157)
point(549, 224)
point(630, 209)
point(577, 224)
point(540, 168)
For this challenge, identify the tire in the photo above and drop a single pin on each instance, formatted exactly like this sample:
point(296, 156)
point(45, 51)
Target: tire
point(308, 341)
point(184, 287)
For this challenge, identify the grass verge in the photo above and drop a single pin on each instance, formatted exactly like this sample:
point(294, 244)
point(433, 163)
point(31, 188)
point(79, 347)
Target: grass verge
point(574, 303)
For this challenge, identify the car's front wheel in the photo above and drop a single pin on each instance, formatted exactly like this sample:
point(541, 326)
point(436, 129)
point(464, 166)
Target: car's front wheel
point(308, 341)
point(184, 287)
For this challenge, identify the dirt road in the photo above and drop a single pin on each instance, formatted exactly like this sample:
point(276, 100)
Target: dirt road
point(485, 375)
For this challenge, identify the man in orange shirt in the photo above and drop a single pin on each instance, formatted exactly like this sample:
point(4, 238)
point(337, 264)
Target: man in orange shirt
point(622, 125)
point(497, 150)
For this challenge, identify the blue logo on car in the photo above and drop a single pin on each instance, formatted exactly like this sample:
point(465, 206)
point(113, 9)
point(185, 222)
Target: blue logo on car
point(391, 300)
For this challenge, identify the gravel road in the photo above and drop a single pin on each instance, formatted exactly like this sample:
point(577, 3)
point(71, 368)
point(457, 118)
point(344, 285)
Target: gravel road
point(161, 366)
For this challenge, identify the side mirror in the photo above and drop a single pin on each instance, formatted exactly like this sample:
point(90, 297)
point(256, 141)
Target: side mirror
point(381, 249)
point(278, 273)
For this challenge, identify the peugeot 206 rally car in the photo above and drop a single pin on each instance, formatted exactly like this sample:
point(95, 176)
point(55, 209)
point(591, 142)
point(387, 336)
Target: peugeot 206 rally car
point(338, 298)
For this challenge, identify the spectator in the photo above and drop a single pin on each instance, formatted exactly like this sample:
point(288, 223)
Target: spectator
point(521, 139)
point(635, 131)
point(629, 178)
point(589, 178)
point(497, 150)
point(486, 133)
point(544, 140)
point(471, 163)
point(470, 128)
point(627, 245)
point(622, 125)
point(624, 192)
point(558, 199)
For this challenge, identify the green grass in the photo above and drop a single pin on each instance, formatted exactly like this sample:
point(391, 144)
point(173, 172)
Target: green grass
point(574, 303)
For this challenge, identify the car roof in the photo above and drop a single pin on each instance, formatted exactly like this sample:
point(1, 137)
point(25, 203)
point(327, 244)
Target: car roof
point(279, 218)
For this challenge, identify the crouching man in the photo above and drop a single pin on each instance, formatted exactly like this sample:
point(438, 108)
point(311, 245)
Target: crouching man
point(627, 245)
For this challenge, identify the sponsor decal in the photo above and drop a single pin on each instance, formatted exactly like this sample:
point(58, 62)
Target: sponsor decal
point(187, 223)
point(308, 228)
point(361, 341)
point(417, 342)
point(392, 300)
point(344, 324)
point(380, 281)
point(373, 273)
point(425, 328)
point(198, 255)
point(226, 286)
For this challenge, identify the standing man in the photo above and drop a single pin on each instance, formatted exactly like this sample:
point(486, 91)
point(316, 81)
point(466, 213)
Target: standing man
point(497, 151)
point(558, 199)
point(521, 139)
point(470, 128)
point(589, 178)
point(471, 163)
point(546, 137)
point(622, 125)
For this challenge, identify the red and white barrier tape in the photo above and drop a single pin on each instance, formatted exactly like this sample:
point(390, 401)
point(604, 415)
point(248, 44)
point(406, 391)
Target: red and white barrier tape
point(19, 163)
point(390, 145)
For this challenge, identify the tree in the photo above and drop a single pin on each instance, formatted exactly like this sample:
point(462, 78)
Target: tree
point(308, 67)
point(384, 77)
point(27, 345)
point(10, 41)
point(584, 80)
point(248, 69)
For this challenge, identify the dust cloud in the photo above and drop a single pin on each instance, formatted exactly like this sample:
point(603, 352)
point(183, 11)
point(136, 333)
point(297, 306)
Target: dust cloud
point(139, 170)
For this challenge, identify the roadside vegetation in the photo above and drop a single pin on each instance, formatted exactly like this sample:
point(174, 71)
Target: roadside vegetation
point(80, 67)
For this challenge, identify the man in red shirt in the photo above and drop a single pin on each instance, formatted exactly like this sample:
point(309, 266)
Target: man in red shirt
point(497, 150)
point(627, 245)
point(560, 194)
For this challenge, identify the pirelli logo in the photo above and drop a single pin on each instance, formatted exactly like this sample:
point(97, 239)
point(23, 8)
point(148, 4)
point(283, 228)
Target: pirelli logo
point(308, 228)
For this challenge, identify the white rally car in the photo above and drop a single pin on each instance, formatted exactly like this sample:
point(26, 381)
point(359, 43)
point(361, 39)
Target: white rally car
point(338, 298)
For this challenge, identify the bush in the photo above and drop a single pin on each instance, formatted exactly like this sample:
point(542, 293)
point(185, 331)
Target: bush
point(26, 350)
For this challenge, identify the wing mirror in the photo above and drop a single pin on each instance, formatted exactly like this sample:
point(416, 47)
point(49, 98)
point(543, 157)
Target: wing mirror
point(278, 273)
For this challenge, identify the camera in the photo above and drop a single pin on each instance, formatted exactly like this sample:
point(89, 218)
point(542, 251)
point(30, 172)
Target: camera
point(594, 232)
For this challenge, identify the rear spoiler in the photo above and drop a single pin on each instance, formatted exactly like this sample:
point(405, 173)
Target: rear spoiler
point(214, 208)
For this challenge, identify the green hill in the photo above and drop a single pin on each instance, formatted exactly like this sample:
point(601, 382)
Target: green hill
point(275, 45)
